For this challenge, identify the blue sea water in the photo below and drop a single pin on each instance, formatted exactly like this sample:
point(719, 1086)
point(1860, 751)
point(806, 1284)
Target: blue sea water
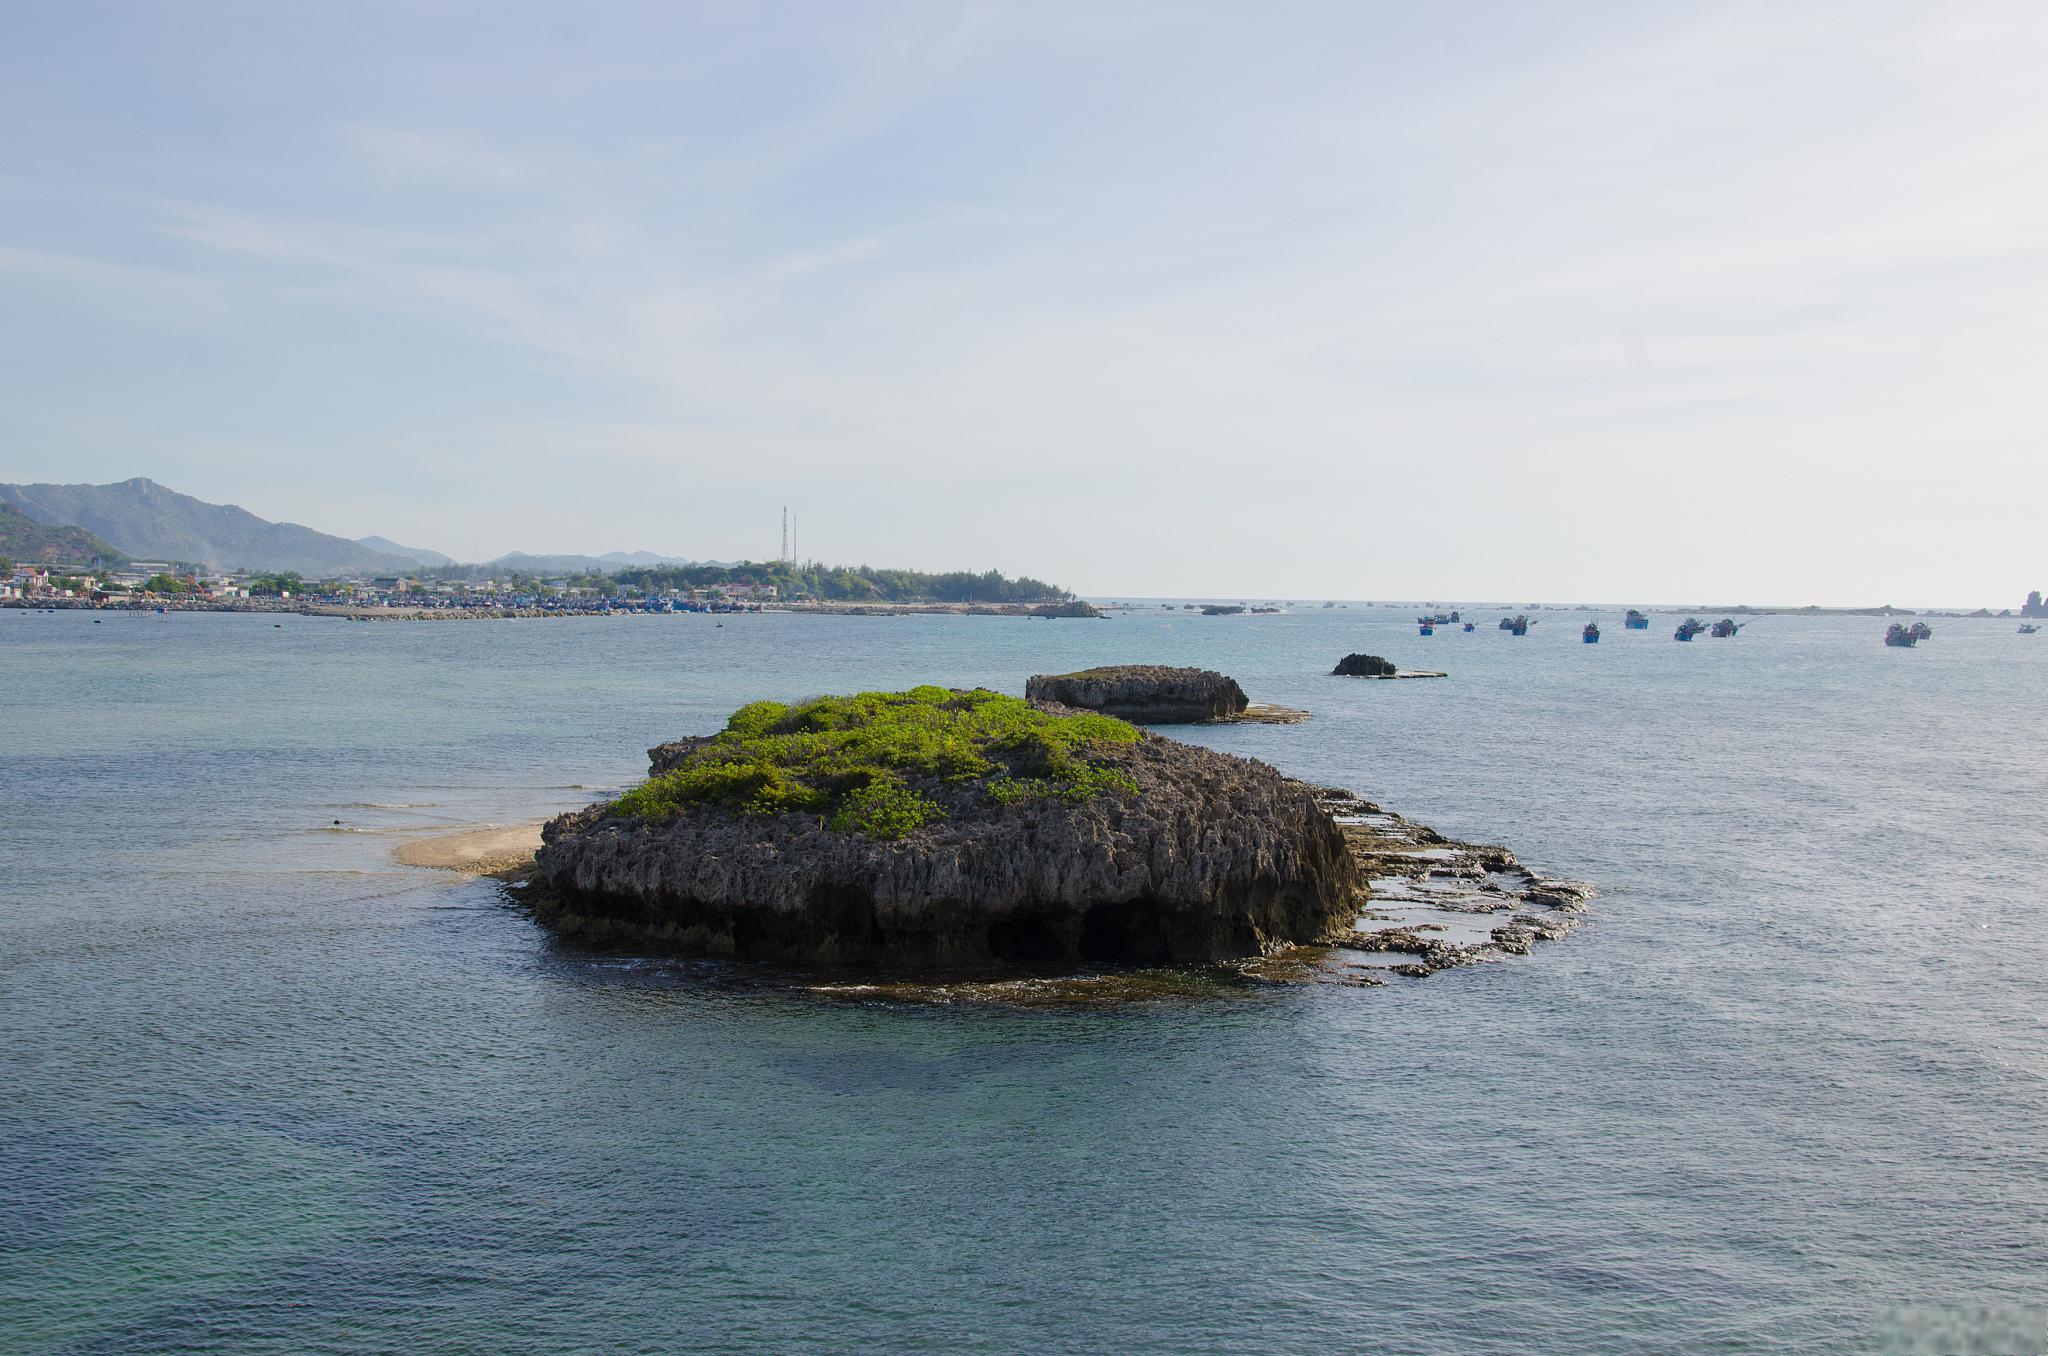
point(266, 1091)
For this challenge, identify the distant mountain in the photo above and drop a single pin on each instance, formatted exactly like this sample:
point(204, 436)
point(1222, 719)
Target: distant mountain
point(417, 554)
point(604, 564)
point(150, 522)
point(641, 558)
point(26, 541)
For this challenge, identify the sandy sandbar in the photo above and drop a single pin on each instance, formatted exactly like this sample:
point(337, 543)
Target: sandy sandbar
point(477, 852)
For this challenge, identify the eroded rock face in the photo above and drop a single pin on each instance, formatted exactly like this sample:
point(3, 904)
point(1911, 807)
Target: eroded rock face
point(1144, 694)
point(1214, 857)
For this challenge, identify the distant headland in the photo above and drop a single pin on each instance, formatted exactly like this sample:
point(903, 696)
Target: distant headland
point(138, 544)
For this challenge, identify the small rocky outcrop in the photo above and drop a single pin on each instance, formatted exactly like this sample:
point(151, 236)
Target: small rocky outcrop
point(1150, 851)
point(1363, 666)
point(1144, 694)
point(1075, 608)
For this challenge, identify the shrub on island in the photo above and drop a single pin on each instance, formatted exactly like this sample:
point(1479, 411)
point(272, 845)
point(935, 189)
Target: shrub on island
point(860, 760)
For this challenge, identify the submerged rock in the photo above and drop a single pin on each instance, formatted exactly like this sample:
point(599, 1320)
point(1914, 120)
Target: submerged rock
point(1144, 694)
point(1141, 849)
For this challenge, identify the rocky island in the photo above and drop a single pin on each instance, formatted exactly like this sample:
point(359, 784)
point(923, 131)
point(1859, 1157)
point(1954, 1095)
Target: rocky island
point(938, 826)
point(1372, 666)
point(1144, 694)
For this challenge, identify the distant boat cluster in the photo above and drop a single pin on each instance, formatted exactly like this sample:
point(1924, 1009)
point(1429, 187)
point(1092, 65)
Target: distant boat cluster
point(1906, 637)
point(1900, 634)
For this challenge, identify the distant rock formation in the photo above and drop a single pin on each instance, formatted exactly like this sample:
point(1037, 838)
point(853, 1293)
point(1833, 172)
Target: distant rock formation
point(2034, 607)
point(1144, 694)
point(1363, 666)
point(1076, 608)
point(1221, 609)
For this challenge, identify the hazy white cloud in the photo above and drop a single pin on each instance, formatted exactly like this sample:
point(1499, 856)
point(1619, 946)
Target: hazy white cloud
point(1154, 299)
point(409, 153)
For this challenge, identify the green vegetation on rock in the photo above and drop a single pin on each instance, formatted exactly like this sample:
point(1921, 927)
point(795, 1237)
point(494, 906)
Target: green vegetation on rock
point(24, 539)
point(871, 762)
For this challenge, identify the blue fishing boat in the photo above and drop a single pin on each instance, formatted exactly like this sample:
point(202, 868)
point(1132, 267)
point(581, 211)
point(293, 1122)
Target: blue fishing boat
point(1725, 628)
point(1428, 629)
point(1517, 625)
point(1901, 637)
point(1591, 635)
point(1636, 621)
point(1920, 630)
point(1688, 628)
point(1469, 626)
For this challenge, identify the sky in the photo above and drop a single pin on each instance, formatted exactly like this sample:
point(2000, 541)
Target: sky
point(1659, 302)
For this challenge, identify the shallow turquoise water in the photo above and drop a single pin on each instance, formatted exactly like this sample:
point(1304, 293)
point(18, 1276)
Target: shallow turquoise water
point(268, 1092)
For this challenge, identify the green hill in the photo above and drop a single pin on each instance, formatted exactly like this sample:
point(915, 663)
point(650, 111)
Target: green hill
point(25, 541)
point(154, 523)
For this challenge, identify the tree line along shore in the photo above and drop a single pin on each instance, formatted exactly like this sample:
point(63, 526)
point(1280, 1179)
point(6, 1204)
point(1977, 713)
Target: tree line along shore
point(465, 591)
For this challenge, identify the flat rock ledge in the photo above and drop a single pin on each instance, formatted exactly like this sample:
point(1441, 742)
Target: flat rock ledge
point(1144, 694)
point(1261, 713)
point(1214, 858)
point(1433, 903)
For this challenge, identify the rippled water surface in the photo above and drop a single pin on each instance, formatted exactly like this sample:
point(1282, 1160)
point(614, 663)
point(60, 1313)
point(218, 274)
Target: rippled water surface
point(269, 1092)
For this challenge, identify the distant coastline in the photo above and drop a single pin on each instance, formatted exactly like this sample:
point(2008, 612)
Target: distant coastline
point(296, 607)
point(843, 608)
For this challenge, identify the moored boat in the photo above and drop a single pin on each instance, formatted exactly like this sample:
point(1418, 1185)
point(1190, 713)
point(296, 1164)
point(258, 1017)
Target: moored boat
point(1725, 627)
point(2026, 628)
point(1427, 628)
point(1517, 625)
point(1688, 628)
point(1900, 636)
point(1469, 626)
point(1920, 630)
point(1591, 635)
point(1636, 621)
